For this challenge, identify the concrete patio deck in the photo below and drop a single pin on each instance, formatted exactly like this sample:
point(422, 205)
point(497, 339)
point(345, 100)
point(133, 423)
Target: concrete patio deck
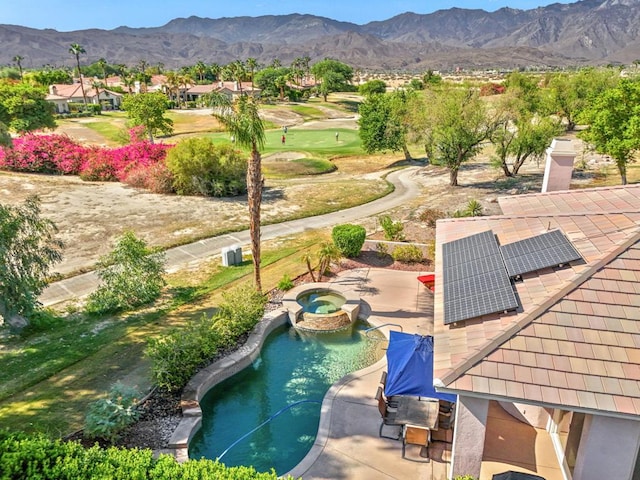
point(348, 445)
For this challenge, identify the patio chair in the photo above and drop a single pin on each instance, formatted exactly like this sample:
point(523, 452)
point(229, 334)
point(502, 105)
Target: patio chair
point(415, 435)
point(388, 417)
point(392, 402)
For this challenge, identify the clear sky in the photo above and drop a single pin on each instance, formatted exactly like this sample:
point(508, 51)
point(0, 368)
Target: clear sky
point(68, 15)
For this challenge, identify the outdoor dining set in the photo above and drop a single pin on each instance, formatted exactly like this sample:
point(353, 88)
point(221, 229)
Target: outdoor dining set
point(420, 420)
point(407, 400)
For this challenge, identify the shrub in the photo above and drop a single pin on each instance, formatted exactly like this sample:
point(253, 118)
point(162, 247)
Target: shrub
point(349, 239)
point(178, 355)
point(156, 178)
point(285, 283)
point(474, 209)
point(54, 154)
point(408, 254)
point(36, 456)
point(430, 216)
point(98, 166)
point(201, 168)
point(392, 230)
point(131, 274)
point(108, 417)
point(382, 249)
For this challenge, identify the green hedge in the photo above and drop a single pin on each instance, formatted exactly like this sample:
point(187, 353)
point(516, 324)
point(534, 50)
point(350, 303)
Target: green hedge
point(349, 239)
point(37, 457)
point(177, 356)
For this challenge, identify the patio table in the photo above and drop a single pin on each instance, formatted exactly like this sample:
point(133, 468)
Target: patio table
point(417, 411)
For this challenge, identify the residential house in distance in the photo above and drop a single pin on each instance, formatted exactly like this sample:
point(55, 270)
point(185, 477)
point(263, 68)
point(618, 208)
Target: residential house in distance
point(59, 94)
point(231, 89)
point(547, 337)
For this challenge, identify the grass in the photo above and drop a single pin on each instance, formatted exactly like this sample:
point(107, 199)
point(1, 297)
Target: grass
point(65, 369)
point(297, 168)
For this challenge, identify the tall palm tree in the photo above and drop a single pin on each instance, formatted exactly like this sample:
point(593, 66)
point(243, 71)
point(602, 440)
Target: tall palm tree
point(252, 65)
point(200, 69)
point(18, 61)
point(245, 125)
point(97, 85)
point(173, 86)
point(76, 49)
point(215, 70)
point(102, 63)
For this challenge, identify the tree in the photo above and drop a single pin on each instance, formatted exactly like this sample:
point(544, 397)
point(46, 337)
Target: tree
point(18, 61)
point(252, 65)
point(334, 76)
point(614, 124)
point(371, 87)
point(5, 136)
point(567, 94)
point(383, 123)
point(200, 69)
point(28, 250)
point(76, 49)
point(455, 127)
point(243, 122)
point(521, 134)
point(132, 275)
point(23, 108)
point(102, 64)
point(148, 109)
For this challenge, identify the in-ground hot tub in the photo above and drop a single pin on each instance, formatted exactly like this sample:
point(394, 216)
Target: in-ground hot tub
point(321, 307)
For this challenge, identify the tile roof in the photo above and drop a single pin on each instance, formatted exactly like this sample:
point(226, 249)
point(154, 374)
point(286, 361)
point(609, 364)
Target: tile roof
point(575, 341)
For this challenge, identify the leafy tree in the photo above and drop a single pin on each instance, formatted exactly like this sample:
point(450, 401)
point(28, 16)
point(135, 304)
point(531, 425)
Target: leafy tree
point(334, 76)
point(455, 127)
point(50, 76)
point(28, 250)
point(5, 136)
point(383, 123)
point(567, 94)
point(521, 134)
point(148, 109)
point(131, 274)
point(200, 167)
point(431, 78)
point(243, 122)
point(18, 61)
point(76, 50)
point(23, 108)
point(371, 87)
point(614, 124)
point(272, 81)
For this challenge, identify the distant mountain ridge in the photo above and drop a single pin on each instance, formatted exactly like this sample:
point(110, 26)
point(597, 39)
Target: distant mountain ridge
point(588, 32)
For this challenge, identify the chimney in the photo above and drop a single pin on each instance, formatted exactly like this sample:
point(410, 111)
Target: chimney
point(53, 90)
point(559, 166)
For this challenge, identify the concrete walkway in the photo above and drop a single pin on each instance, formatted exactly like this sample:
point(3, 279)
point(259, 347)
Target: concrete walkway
point(406, 189)
point(348, 445)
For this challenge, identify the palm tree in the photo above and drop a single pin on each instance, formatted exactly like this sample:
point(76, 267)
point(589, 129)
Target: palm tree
point(215, 70)
point(237, 71)
point(97, 85)
point(173, 87)
point(200, 68)
point(276, 63)
point(18, 60)
point(76, 49)
point(102, 63)
point(243, 122)
point(252, 64)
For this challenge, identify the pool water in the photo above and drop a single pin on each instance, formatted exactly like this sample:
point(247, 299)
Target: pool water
point(293, 367)
point(322, 301)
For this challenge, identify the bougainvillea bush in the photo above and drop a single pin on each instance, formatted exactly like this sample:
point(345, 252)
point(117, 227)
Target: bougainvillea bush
point(60, 155)
point(53, 154)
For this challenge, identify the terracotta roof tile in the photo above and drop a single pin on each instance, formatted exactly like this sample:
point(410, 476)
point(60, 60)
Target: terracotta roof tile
point(577, 333)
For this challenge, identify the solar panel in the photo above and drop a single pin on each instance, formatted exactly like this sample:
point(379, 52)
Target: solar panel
point(545, 250)
point(475, 281)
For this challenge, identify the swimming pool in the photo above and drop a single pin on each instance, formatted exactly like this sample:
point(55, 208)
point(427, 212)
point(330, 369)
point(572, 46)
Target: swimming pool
point(293, 367)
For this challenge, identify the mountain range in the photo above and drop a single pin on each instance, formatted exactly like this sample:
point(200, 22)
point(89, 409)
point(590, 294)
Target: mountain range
point(587, 32)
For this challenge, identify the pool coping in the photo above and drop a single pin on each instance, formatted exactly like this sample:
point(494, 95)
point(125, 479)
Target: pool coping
point(290, 299)
point(244, 356)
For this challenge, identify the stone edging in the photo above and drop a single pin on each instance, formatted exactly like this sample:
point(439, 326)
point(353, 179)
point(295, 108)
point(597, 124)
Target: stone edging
point(215, 373)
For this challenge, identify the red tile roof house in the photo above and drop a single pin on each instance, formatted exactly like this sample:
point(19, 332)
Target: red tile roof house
point(566, 362)
point(73, 94)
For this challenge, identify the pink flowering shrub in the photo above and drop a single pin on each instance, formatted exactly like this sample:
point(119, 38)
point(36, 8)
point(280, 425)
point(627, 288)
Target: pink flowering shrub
point(56, 154)
point(140, 163)
point(156, 178)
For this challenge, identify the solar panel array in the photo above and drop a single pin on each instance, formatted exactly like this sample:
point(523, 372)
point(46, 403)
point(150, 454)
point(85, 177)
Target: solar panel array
point(475, 280)
point(545, 250)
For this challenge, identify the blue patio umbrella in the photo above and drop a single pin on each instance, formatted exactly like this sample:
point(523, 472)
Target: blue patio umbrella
point(511, 475)
point(410, 367)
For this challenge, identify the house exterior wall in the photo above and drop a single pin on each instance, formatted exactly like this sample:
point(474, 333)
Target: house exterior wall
point(468, 437)
point(533, 415)
point(608, 449)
